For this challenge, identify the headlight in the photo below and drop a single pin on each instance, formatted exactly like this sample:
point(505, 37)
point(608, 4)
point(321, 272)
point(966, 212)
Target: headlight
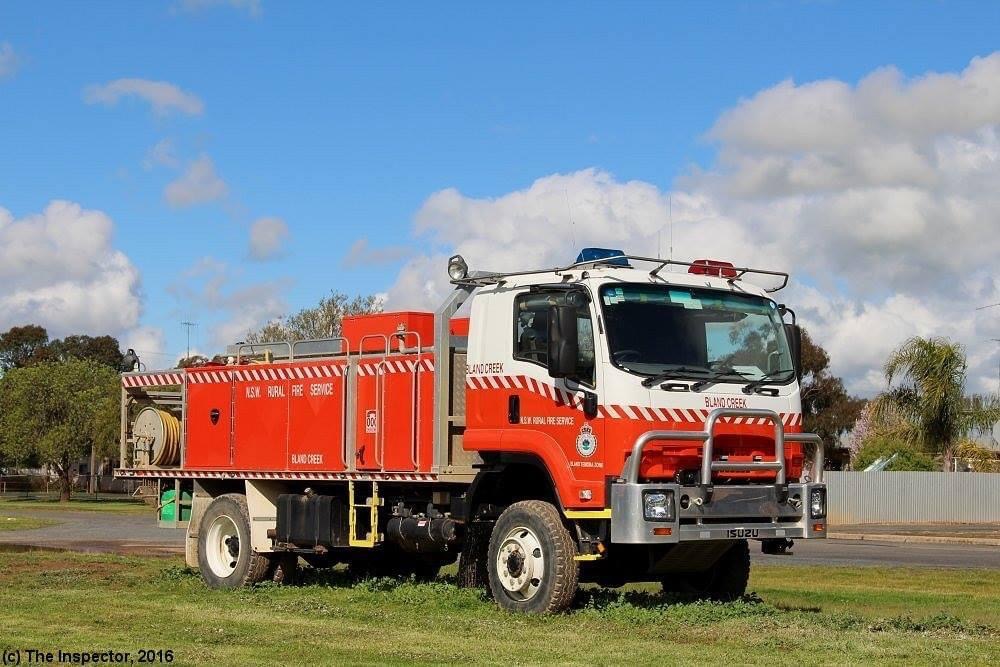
point(817, 503)
point(658, 505)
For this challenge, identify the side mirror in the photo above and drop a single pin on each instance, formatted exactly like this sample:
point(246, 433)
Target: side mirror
point(794, 335)
point(563, 349)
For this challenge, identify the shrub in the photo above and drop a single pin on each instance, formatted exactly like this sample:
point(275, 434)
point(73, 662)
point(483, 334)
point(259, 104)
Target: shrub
point(907, 458)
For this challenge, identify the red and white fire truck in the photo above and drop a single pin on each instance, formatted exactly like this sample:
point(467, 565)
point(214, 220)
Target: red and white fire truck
point(619, 419)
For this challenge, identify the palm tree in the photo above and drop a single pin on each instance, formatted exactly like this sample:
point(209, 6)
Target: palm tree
point(928, 407)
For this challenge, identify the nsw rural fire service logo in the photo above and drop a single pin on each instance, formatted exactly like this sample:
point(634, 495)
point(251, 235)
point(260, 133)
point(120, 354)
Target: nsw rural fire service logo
point(586, 442)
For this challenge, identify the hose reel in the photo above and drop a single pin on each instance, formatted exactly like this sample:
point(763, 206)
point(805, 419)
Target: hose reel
point(157, 433)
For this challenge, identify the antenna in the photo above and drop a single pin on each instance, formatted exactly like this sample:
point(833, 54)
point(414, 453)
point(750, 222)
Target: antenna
point(189, 325)
point(572, 225)
point(670, 203)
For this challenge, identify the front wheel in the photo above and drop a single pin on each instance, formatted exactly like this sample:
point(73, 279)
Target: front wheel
point(530, 561)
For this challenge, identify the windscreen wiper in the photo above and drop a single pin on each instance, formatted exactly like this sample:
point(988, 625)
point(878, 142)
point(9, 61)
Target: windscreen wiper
point(770, 378)
point(675, 373)
point(716, 376)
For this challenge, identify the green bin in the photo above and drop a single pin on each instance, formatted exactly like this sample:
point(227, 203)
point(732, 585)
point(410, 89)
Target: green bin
point(168, 506)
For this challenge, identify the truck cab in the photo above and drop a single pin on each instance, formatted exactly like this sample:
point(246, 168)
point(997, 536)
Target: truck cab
point(664, 406)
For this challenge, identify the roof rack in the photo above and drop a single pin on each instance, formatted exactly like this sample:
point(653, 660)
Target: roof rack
point(482, 278)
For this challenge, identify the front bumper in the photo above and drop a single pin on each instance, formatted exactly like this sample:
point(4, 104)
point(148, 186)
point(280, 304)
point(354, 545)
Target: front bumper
point(734, 512)
point(705, 511)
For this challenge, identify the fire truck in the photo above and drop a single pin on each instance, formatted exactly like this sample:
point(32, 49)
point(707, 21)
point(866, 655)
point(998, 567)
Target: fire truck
point(619, 419)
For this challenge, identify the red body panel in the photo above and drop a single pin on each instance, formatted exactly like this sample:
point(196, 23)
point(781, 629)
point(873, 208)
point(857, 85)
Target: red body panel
point(208, 440)
point(370, 332)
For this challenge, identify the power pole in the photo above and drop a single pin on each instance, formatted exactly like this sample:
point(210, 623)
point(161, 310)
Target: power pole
point(189, 325)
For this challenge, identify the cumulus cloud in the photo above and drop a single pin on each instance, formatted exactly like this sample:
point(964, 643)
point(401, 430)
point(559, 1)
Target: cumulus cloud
point(879, 197)
point(163, 96)
point(267, 237)
point(199, 184)
point(361, 253)
point(251, 7)
point(59, 269)
point(9, 60)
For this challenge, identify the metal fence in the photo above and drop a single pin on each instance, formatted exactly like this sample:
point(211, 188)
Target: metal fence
point(905, 497)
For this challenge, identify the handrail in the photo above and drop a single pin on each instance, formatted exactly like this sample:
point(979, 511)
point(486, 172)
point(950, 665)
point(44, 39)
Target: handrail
point(630, 472)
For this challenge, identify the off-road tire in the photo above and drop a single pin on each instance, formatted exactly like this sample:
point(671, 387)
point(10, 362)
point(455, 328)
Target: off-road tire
point(560, 572)
point(725, 581)
point(251, 567)
point(472, 570)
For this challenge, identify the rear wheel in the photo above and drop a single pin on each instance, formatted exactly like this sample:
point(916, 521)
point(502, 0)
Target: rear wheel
point(530, 560)
point(225, 556)
point(726, 580)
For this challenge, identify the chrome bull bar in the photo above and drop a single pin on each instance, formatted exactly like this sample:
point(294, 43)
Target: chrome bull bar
point(630, 472)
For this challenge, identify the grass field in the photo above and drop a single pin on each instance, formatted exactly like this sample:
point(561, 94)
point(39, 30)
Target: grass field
point(84, 503)
point(13, 522)
point(798, 614)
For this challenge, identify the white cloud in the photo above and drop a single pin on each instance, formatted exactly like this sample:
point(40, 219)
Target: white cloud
point(199, 184)
point(267, 237)
point(361, 253)
point(252, 7)
point(9, 60)
point(226, 305)
point(58, 268)
point(162, 154)
point(881, 198)
point(163, 96)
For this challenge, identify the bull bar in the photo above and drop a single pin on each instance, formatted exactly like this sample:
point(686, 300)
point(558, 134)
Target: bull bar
point(705, 512)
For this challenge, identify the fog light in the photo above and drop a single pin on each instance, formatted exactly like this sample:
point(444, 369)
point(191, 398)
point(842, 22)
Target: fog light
point(658, 505)
point(817, 503)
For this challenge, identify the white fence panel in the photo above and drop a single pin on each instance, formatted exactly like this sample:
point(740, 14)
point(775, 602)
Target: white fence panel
point(904, 497)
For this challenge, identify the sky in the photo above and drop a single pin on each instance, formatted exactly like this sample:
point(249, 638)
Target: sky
point(227, 162)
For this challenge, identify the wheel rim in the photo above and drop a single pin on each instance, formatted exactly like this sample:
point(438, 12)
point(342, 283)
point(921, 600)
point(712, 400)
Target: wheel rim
point(521, 563)
point(223, 546)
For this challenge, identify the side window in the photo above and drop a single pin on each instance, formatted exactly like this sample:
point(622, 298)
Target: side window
point(531, 329)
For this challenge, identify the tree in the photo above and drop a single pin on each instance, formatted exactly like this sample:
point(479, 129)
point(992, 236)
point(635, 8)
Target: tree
point(323, 321)
point(102, 349)
point(22, 346)
point(57, 413)
point(827, 409)
point(928, 407)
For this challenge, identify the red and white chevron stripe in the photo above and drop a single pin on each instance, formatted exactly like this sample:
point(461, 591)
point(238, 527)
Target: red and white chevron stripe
point(209, 377)
point(386, 366)
point(152, 380)
point(562, 397)
point(264, 374)
point(254, 474)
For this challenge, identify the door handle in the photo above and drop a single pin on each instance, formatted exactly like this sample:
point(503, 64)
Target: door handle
point(514, 409)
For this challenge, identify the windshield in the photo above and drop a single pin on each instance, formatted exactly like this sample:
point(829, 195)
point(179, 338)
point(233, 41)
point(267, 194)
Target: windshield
point(654, 329)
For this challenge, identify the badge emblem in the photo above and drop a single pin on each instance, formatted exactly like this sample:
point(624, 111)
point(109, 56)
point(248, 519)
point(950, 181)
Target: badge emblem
point(586, 442)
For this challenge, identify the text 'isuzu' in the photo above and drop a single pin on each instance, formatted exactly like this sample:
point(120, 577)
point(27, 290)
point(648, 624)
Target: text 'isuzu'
point(616, 420)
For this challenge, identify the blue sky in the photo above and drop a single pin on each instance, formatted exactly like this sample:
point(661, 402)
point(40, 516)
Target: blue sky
point(342, 121)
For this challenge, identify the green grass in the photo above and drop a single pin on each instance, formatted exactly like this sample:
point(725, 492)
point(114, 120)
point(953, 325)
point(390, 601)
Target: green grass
point(798, 614)
point(117, 505)
point(9, 522)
